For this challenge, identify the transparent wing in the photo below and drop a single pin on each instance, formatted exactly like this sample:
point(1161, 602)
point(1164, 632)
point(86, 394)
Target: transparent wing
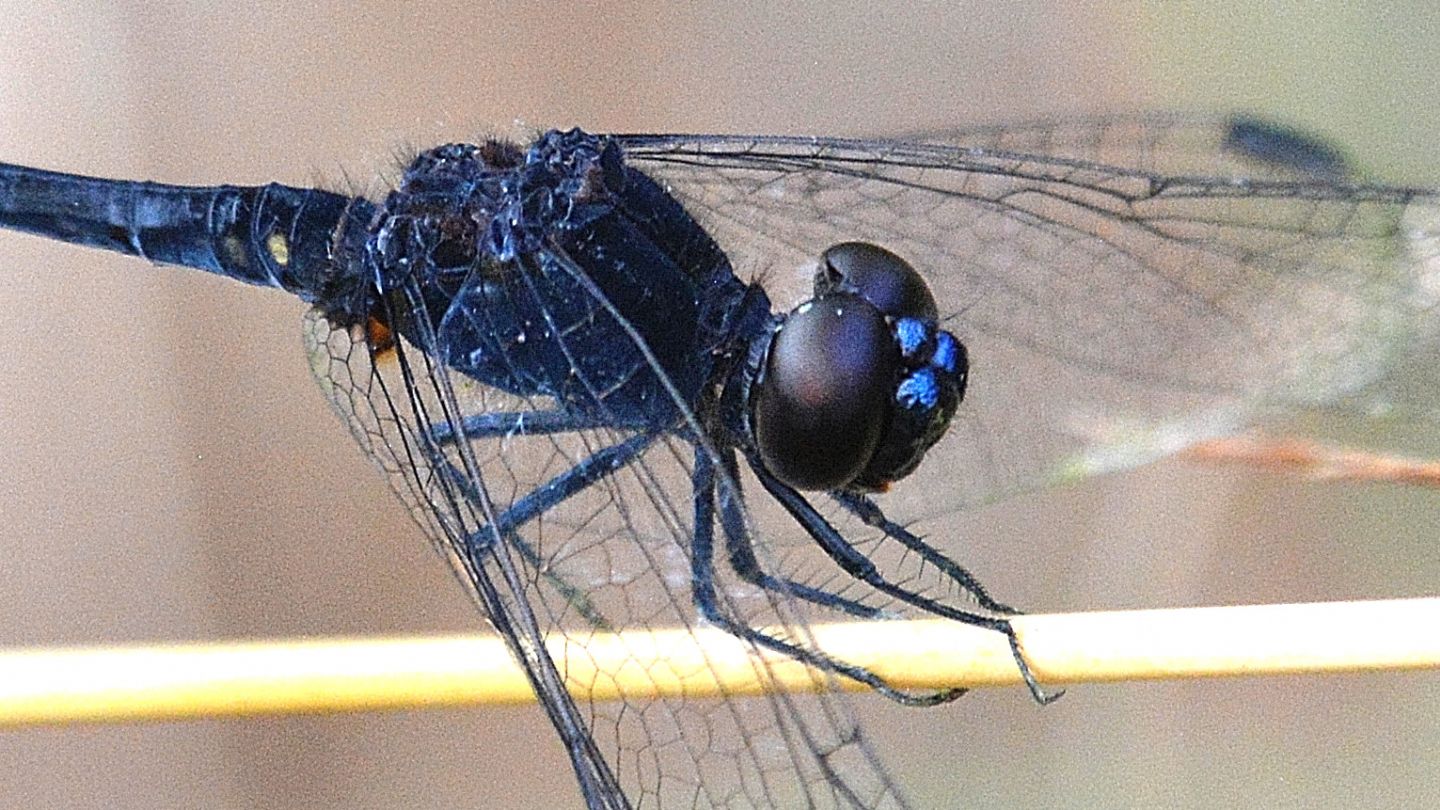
point(1173, 144)
point(390, 397)
point(613, 554)
point(1112, 315)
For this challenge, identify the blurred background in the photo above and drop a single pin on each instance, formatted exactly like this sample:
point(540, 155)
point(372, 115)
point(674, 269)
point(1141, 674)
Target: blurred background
point(172, 474)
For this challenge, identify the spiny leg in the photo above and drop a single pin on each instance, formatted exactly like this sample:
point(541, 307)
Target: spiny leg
point(859, 566)
point(543, 498)
point(870, 512)
point(741, 555)
point(707, 601)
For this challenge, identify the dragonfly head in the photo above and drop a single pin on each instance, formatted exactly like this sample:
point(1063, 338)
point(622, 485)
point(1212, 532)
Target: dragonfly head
point(858, 382)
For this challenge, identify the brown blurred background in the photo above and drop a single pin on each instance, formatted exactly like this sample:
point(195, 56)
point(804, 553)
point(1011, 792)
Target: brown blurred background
point(172, 474)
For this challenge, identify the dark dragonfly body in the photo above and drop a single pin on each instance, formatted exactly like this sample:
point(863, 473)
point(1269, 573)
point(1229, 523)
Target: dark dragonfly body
point(553, 354)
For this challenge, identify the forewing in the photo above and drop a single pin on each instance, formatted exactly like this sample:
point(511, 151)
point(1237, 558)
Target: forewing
point(1173, 144)
point(1112, 315)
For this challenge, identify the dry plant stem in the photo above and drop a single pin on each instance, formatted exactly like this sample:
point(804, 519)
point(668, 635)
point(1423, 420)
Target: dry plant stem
point(120, 684)
point(1317, 460)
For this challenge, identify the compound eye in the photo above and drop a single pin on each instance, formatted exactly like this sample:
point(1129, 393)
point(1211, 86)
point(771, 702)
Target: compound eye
point(878, 276)
point(824, 401)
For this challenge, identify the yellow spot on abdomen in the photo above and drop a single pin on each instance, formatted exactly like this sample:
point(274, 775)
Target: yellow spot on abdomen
point(279, 248)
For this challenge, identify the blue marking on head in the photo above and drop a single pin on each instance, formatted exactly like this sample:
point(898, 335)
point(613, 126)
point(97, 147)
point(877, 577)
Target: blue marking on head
point(946, 353)
point(919, 390)
point(911, 333)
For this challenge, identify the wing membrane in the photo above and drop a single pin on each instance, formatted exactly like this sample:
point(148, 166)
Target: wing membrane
point(1112, 315)
point(1174, 144)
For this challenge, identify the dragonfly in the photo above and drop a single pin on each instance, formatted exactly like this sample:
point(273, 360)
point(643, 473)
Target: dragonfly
point(631, 382)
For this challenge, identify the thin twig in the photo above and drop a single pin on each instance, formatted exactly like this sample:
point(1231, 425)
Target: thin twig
point(118, 684)
point(1316, 460)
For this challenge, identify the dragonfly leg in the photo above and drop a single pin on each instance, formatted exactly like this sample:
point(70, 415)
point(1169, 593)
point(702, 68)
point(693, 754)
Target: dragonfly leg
point(708, 603)
point(741, 554)
point(540, 500)
point(855, 563)
point(870, 512)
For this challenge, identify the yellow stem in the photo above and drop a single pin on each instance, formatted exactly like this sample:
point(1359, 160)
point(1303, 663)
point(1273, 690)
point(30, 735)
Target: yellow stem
point(117, 684)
